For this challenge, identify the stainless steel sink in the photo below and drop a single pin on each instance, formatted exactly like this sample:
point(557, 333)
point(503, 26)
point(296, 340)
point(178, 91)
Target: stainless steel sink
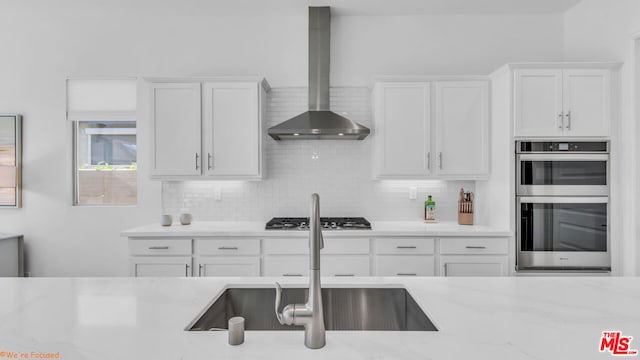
point(382, 309)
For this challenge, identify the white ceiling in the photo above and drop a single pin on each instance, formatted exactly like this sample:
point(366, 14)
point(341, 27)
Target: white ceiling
point(297, 7)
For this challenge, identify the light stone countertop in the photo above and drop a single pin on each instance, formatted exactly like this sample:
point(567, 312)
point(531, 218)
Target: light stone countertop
point(479, 318)
point(256, 228)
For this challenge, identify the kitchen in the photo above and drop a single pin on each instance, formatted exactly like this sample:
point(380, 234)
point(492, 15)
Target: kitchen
point(141, 39)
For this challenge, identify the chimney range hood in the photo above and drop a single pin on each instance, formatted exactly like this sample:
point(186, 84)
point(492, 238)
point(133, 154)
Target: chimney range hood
point(319, 122)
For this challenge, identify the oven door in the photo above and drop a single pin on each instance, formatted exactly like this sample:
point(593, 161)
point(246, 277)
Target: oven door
point(563, 233)
point(553, 174)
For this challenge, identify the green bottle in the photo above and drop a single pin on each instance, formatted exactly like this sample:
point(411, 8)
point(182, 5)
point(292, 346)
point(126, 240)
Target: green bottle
point(430, 209)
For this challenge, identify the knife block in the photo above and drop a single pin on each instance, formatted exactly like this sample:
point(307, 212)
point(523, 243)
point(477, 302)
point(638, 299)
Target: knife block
point(465, 212)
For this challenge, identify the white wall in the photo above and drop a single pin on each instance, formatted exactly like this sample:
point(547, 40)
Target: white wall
point(44, 42)
point(603, 30)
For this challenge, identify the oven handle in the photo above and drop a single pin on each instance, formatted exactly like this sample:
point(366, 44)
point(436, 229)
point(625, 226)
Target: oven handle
point(564, 199)
point(563, 157)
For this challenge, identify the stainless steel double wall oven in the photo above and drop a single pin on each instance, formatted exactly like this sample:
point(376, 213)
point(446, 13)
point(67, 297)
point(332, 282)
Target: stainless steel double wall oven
point(562, 205)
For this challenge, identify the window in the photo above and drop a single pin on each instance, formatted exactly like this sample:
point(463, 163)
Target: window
point(106, 162)
point(105, 147)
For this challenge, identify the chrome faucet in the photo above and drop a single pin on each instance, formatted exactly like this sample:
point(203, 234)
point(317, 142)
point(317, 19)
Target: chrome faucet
point(310, 314)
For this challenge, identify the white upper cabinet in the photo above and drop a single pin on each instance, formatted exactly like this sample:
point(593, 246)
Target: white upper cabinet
point(562, 102)
point(586, 100)
point(175, 121)
point(462, 127)
point(403, 129)
point(408, 145)
point(232, 129)
point(538, 102)
point(215, 133)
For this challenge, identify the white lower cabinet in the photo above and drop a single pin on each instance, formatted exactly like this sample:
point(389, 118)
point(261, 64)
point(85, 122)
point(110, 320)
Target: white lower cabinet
point(160, 257)
point(339, 257)
point(330, 265)
point(160, 266)
point(383, 256)
point(228, 257)
point(465, 265)
point(474, 256)
point(411, 256)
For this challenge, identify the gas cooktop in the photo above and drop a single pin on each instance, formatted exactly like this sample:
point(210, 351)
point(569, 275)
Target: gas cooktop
point(328, 223)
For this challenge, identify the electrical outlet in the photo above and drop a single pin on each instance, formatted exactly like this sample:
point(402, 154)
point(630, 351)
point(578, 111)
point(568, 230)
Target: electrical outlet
point(218, 194)
point(413, 192)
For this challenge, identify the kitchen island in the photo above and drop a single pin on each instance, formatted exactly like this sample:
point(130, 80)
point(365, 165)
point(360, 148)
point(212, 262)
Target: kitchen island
point(478, 318)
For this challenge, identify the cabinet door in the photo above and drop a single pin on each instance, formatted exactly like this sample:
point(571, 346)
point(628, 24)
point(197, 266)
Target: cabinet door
point(344, 265)
point(286, 265)
point(232, 123)
point(229, 266)
point(538, 102)
point(161, 266)
point(462, 127)
point(403, 130)
point(175, 122)
point(586, 102)
point(473, 265)
point(405, 265)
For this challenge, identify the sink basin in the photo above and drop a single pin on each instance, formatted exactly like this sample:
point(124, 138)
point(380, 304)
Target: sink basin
point(382, 309)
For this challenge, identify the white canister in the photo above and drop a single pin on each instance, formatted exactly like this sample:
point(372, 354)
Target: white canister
point(166, 220)
point(185, 219)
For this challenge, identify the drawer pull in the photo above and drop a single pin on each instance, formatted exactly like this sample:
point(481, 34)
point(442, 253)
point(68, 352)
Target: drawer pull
point(228, 248)
point(158, 248)
point(475, 247)
point(407, 274)
point(344, 275)
point(291, 274)
point(406, 247)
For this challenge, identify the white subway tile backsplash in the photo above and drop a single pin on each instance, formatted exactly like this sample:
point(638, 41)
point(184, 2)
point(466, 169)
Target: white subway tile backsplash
point(338, 170)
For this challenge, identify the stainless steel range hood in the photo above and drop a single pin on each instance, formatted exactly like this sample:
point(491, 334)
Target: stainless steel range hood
point(319, 122)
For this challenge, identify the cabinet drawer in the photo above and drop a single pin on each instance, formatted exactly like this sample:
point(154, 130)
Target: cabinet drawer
point(228, 247)
point(331, 246)
point(405, 265)
point(398, 246)
point(331, 265)
point(160, 247)
point(474, 246)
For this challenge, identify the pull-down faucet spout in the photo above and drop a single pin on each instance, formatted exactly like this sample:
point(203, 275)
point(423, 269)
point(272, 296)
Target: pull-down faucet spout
point(310, 314)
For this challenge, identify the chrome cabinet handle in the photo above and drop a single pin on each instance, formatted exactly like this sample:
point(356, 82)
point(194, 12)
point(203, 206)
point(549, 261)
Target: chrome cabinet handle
point(440, 157)
point(209, 161)
point(344, 275)
point(200, 270)
point(568, 120)
point(407, 274)
point(475, 247)
point(406, 247)
point(561, 122)
point(197, 161)
point(158, 248)
point(429, 161)
point(186, 270)
point(228, 248)
point(291, 274)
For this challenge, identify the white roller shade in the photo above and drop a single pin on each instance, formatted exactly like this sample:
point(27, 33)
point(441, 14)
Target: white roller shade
point(90, 99)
